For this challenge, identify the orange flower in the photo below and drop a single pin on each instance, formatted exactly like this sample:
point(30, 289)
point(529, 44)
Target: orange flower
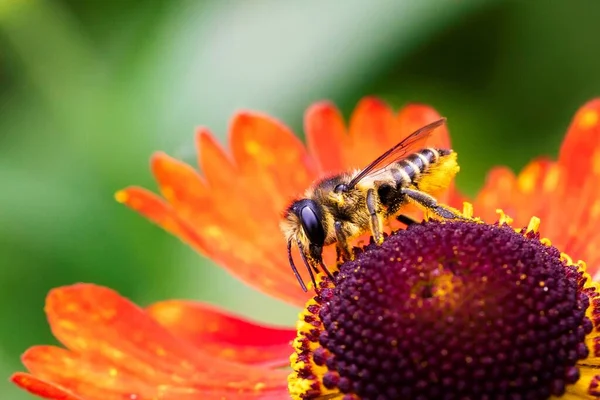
point(230, 212)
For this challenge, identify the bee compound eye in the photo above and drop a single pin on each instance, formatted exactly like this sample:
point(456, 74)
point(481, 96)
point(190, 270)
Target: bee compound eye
point(339, 188)
point(312, 226)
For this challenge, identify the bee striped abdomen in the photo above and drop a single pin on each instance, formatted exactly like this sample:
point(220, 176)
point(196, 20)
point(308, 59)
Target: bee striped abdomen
point(417, 163)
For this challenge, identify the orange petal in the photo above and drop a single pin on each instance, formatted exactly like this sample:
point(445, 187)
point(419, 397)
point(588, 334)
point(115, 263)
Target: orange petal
point(270, 156)
point(43, 389)
point(178, 393)
point(580, 151)
point(239, 213)
point(325, 135)
point(86, 376)
point(415, 116)
point(372, 131)
point(224, 335)
point(216, 165)
point(532, 192)
point(252, 249)
point(579, 222)
point(578, 201)
point(158, 211)
point(454, 198)
point(97, 322)
point(180, 185)
point(193, 202)
point(499, 191)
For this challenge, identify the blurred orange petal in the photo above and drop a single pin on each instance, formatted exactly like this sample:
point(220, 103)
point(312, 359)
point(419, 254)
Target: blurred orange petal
point(325, 135)
point(372, 130)
point(224, 335)
point(415, 116)
point(519, 196)
point(42, 388)
point(579, 189)
point(497, 192)
point(580, 151)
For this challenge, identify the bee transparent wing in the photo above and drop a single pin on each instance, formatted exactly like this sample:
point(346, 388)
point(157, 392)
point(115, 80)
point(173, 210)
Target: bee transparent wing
point(408, 145)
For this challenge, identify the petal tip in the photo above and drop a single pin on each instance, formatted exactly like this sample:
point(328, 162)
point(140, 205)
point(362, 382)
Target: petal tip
point(244, 117)
point(203, 134)
point(320, 106)
point(371, 102)
point(418, 113)
point(157, 158)
point(121, 196)
point(67, 293)
point(588, 116)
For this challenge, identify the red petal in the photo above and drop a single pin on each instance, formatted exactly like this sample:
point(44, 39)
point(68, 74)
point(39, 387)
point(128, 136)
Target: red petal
point(225, 335)
point(43, 389)
point(105, 327)
point(326, 135)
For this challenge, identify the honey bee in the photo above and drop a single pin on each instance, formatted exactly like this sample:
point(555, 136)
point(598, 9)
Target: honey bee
point(342, 207)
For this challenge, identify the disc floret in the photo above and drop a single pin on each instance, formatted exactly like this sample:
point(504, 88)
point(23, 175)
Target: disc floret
point(450, 310)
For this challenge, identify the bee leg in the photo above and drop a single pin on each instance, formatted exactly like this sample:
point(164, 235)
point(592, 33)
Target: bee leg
point(327, 272)
point(376, 225)
point(430, 203)
point(316, 257)
point(342, 243)
point(406, 220)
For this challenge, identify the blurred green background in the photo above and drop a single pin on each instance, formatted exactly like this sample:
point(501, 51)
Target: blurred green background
point(90, 88)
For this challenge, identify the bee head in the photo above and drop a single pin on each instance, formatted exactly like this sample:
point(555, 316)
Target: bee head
point(310, 215)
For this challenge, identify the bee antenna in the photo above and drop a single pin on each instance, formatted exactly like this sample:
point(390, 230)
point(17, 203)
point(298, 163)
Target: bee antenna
point(308, 266)
point(289, 250)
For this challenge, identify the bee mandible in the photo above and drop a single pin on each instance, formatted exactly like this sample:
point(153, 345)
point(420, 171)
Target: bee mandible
point(341, 207)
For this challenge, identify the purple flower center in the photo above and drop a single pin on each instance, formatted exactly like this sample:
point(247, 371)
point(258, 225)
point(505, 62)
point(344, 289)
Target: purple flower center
point(454, 310)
